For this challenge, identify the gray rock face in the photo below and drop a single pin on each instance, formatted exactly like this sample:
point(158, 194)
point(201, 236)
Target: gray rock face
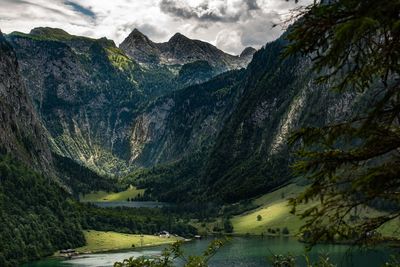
point(106, 111)
point(248, 52)
point(139, 47)
point(189, 120)
point(84, 91)
point(241, 128)
point(181, 50)
point(88, 92)
point(279, 97)
point(21, 132)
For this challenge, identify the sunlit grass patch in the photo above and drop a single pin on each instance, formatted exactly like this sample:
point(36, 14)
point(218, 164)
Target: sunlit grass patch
point(102, 196)
point(98, 241)
point(274, 213)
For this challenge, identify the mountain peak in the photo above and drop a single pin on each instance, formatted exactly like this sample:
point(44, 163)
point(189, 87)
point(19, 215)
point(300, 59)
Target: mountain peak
point(136, 32)
point(248, 51)
point(137, 36)
point(178, 37)
point(180, 50)
point(140, 47)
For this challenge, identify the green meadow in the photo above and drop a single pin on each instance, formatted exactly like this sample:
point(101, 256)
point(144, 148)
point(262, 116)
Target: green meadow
point(102, 196)
point(99, 241)
point(274, 211)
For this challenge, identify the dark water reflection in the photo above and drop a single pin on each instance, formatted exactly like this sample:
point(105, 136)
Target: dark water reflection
point(131, 204)
point(243, 252)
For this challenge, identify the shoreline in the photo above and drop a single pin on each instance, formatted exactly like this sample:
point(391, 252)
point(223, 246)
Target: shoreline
point(86, 254)
point(390, 241)
point(57, 254)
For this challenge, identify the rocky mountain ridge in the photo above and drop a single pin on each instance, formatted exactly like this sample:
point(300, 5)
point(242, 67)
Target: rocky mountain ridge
point(105, 110)
point(180, 50)
point(82, 90)
point(88, 92)
point(184, 122)
point(246, 154)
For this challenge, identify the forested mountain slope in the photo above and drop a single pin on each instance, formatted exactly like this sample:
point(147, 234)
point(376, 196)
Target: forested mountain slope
point(115, 110)
point(35, 216)
point(184, 122)
point(248, 154)
point(88, 92)
point(82, 93)
point(251, 155)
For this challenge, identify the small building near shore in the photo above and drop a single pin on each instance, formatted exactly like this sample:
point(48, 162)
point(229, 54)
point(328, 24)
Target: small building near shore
point(68, 253)
point(65, 251)
point(164, 234)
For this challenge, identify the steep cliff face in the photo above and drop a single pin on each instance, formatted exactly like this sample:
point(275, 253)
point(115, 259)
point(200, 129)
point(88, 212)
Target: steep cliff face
point(251, 154)
point(184, 122)
point(21, 133)
point(114, 110)
point(85, 91)
point(180, 50)
point(246, 151)
point(88, 92)
point(35, 218)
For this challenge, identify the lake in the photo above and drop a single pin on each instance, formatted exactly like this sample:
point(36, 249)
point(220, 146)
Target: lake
point(241, 251)
point(131, 204)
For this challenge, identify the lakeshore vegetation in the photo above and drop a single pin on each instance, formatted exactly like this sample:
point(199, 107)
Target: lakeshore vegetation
point(101, 241)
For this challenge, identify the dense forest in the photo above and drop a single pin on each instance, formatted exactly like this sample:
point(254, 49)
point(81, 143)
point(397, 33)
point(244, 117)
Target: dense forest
point(134, 221)
point(38, 215)
point(80, 179)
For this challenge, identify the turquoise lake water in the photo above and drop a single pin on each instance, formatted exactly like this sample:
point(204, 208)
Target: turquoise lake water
point(241, 251)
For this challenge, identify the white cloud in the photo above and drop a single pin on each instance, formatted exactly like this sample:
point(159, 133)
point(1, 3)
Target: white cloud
point(229, 24)
point(229, 40)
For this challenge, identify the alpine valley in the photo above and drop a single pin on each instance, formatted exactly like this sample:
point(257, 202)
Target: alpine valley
point(179, 123)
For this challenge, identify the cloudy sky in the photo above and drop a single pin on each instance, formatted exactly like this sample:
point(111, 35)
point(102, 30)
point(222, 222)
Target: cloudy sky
point(231, 25)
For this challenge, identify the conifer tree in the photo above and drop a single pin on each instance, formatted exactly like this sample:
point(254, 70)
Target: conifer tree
point(352, 164)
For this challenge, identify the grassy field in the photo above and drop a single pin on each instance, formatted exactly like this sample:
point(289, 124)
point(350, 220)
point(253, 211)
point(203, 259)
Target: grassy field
point(98, 241)
point(102, 196)
point(389, 229)
point(274, 211)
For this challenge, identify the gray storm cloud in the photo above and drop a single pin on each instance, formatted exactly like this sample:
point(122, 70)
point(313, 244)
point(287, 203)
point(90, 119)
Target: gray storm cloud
point(208, 10)
point(241, 23)
point(230, 24)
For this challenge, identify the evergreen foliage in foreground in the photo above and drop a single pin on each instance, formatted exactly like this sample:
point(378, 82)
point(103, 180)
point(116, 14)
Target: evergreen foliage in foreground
point(355, 45)
point(175, 252)
point(36, 216)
